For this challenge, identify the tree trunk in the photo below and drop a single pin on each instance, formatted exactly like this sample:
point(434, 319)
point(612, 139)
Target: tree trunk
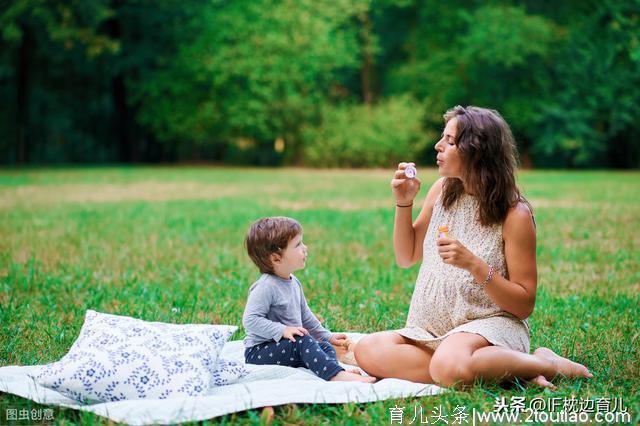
point(22, 94)
point(127, 152)
point(121, 119)
point(367, 58)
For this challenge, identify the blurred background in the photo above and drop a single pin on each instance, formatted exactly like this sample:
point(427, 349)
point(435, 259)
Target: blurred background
point(340, 83)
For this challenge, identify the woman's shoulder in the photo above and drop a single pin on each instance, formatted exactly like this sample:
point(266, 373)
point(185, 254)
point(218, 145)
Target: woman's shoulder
point(438, 184)
point(519, 218)
point(521, 211)
point(435, 191)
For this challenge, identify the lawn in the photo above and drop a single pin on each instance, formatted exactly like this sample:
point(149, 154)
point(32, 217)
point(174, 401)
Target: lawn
point(165, 244)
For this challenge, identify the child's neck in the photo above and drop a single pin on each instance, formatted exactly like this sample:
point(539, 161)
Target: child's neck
point(285, 275)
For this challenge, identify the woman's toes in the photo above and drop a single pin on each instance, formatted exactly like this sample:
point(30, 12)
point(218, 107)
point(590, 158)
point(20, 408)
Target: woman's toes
point(370, 379)
point(585, 371)
point(543, 382)
point(564, 366)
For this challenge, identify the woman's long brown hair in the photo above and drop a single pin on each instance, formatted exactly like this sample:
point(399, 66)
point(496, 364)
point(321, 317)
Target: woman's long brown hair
point(489, 160)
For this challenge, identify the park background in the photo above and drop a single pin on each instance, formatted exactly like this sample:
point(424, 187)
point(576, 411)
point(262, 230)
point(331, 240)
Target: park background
point(355, 83)
point(139, 139)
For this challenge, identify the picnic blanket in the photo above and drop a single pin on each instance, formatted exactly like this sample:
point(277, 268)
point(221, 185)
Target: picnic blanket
point(265, 385)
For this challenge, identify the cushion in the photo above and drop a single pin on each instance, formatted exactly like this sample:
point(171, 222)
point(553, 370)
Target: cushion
point(228, 372)
point(117, 357)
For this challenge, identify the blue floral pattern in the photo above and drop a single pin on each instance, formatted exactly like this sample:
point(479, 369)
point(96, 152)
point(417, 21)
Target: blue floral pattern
point(117, 357)
point(228, 372)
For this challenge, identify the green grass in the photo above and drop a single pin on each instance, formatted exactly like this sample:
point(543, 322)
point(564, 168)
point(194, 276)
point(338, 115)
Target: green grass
point(141, 241)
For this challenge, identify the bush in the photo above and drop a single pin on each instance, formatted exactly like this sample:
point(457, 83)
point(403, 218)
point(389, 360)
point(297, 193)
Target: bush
point(366, 136)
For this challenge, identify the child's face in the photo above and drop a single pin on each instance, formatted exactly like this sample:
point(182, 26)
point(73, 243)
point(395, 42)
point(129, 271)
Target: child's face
point(293, 257)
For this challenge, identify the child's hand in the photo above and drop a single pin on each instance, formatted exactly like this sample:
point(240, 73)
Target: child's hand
point(339, 339)
point(290, 332)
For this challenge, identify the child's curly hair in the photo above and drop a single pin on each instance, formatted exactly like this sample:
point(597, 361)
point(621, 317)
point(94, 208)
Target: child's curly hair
point(267, 236)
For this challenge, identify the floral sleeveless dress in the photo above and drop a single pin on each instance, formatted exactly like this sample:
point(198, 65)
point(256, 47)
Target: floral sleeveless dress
point(446, 299)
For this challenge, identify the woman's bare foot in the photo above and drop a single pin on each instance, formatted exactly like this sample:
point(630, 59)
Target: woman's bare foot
point(346, 376)
point(563, 366)
point(345, 353)
point(543, 382)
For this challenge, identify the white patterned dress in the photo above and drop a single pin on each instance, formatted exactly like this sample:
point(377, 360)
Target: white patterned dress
point(446, 299)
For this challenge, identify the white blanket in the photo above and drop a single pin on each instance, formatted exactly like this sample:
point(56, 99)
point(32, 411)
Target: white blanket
point(265, 385)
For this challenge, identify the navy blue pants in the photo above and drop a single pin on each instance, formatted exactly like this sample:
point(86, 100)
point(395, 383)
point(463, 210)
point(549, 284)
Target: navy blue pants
point(319, 357)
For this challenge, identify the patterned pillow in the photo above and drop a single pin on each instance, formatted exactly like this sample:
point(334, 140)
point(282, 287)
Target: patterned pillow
point(117, 357)
point(228, 372)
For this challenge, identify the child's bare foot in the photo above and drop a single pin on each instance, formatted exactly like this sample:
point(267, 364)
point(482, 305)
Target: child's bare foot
point(346, 376)
point(563, 366)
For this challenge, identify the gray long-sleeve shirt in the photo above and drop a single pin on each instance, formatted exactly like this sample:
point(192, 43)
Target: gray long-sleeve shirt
point(275, 303)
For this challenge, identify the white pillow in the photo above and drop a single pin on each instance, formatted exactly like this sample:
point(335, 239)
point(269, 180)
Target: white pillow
point(228, 371)
point(117, 357)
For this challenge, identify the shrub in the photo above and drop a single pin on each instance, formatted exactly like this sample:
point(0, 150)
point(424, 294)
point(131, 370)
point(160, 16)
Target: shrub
point(366, 136)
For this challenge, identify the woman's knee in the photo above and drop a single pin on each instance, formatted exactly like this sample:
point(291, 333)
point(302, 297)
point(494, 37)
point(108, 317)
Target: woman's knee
point(367, 350)
point(452, 362)
point(447, 370)
point(450, 368)
point(363, 349)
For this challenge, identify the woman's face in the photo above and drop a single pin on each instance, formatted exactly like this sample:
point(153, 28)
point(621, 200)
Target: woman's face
point(448, 159)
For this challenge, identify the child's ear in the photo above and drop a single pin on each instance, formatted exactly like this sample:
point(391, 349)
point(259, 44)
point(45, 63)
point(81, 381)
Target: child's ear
point(275, 258)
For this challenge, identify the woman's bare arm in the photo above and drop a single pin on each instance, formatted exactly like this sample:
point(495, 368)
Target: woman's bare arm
point(408, 238)
point(516, 295)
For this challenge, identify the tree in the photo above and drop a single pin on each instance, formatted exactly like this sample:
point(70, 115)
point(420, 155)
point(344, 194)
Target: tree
point(36, 38)
point(256, 71)
point(593, 119)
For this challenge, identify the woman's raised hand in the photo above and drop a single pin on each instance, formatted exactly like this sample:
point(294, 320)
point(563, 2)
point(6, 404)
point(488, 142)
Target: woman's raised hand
point(404, 189)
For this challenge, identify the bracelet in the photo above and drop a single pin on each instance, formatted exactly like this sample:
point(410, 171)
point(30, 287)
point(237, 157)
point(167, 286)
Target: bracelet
point(408, 205)
point(489, 277)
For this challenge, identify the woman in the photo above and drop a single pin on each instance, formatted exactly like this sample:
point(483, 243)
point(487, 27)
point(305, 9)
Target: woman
point(476, 286)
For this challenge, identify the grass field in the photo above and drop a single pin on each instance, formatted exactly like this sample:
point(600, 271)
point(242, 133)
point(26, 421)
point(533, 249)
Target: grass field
point(142, 241)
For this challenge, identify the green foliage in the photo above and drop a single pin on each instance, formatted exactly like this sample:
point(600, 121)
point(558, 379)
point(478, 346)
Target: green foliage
point(594, 116)
point(255, 70)
point(70, 23)
point(105, 80)
point(503, 36)
point(379, 135)
point(479, 57)
point(52, 60)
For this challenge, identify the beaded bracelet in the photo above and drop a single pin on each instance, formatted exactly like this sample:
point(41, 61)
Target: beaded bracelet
point(489, 277)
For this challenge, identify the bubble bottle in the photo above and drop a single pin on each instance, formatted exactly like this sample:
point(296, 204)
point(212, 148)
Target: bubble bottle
point(410, 171)
point(443, 232)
